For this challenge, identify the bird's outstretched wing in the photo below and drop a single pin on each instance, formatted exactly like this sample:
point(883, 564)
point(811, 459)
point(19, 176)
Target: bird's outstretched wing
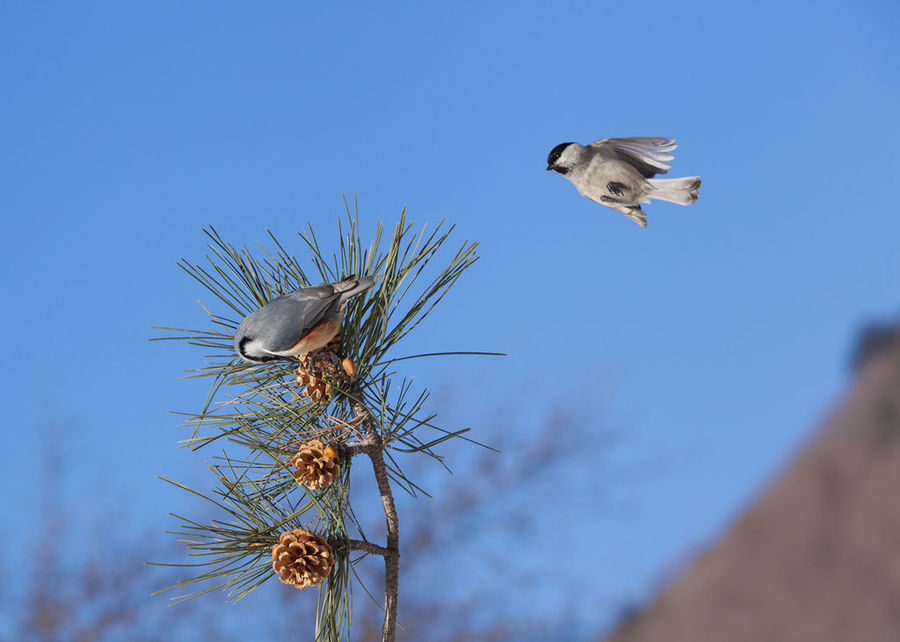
point(649, 156)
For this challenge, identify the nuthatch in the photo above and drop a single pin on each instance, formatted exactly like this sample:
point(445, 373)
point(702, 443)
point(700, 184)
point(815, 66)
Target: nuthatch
point(297, 323)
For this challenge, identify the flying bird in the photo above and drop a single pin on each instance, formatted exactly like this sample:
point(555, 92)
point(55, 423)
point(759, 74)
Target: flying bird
point(618, 173)
point(298, 322)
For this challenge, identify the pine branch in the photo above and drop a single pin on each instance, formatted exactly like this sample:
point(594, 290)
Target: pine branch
point(264, 420)
point(368, 547)
point(392, 523)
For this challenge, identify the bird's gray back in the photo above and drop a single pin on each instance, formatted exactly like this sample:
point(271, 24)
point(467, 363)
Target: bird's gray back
point(282, 322)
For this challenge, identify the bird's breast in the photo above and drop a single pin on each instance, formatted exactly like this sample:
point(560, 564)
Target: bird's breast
point(320, 336)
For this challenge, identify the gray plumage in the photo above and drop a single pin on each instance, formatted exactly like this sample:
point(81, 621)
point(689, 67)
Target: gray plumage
point(618, 173)
point(278, 329)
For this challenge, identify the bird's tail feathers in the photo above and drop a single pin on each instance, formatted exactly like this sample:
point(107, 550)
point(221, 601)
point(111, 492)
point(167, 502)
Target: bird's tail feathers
point(675, 190)
point(352, 286)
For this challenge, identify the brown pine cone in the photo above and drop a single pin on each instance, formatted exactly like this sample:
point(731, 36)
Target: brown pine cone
point(316, 464)
point(317, 372)
point(315, 386)
point(302, 559)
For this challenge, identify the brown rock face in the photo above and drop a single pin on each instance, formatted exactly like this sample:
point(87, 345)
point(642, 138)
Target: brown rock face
point(816, 558)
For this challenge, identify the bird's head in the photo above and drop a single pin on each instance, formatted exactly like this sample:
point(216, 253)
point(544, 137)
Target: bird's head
point(250, 350)
point(562, 157)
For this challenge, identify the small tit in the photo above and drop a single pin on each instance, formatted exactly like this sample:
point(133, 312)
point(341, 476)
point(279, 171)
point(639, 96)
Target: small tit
point(618, 173)
point(296, 323)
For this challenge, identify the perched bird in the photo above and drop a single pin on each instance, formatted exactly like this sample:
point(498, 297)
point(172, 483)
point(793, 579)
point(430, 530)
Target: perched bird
point(618, 173)
point(297, 323)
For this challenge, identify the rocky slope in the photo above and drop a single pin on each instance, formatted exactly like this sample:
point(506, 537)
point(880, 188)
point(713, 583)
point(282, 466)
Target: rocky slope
point(816, 558)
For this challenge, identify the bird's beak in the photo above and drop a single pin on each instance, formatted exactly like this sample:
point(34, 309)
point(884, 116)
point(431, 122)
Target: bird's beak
point(549, 167)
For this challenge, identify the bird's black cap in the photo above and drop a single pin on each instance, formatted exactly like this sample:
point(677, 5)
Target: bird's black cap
point(554, 155)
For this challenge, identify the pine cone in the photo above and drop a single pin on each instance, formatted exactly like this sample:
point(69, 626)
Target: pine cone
point(316, 464)
point(301, 558)
point(317, 372)
point(315, 387)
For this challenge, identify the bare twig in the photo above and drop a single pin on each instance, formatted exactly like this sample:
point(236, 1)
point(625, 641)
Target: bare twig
point(368, 547)
point(349, 450)
point(392, 552)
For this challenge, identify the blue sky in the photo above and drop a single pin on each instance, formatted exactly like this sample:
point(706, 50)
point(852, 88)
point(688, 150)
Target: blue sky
point(126, 129)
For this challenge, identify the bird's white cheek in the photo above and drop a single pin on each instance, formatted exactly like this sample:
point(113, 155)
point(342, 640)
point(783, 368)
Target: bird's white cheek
point(253, 349)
